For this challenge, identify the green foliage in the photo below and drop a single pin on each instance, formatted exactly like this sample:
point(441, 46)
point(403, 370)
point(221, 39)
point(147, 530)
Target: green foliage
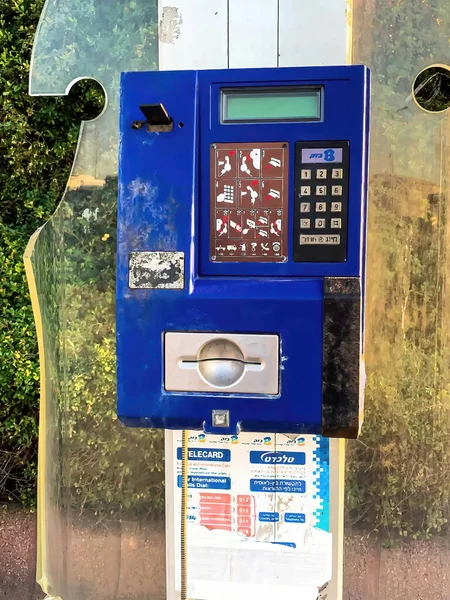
point(38, 137)
point(111, 468)
point(19, 374)
point(92, 461)
point(397, 475)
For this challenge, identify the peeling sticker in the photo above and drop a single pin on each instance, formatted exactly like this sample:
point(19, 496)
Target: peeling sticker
point(170, 25)
point(156, 270)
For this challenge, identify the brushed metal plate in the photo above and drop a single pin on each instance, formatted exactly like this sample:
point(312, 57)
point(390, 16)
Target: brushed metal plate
point(261, 376)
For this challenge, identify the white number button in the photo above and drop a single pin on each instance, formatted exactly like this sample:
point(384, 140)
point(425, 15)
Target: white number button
point(336, 190)
point(337, 174)
point(336, 223)
point(321, 173)
point(305, 223)
point(305, 190)
point(306, 174)
point(321, 207)
point(321, 190)
point(305, 207)
point(336, 206)
point(320, 223)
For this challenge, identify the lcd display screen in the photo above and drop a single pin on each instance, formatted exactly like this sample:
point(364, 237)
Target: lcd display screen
point(271, 104)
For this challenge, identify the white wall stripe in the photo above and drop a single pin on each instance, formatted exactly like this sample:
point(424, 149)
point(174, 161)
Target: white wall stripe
point(193, 34)
point(253, 33)
point(312, 32)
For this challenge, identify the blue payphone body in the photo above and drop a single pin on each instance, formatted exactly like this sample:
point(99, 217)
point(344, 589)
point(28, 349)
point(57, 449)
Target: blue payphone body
point(241, 249)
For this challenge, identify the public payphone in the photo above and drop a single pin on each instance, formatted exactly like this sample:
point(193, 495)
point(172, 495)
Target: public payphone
point(241, 249)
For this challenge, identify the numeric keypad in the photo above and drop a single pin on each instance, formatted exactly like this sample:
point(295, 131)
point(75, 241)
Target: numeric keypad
point(322, 196)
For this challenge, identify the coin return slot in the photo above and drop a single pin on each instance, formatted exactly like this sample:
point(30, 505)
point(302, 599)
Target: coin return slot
point(221, 363)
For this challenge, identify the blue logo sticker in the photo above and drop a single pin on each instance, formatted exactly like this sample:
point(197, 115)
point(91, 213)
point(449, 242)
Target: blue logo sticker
point(277, 458)
point(269, 517)
point(205, 482)
point(295, 518)
point(207, 454)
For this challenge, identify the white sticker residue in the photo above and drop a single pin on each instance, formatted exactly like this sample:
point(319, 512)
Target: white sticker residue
point(153, 270)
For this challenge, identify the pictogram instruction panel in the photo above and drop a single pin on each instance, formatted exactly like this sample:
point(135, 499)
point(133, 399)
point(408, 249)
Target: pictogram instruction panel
point(249, 202)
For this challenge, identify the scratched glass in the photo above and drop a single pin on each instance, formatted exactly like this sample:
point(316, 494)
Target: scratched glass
point(398, 487)
point(101, 494)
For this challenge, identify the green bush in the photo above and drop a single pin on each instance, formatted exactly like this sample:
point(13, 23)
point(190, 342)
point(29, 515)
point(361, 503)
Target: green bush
point(397, 474)
point(94, 463)
point(112, 468)
point(19, 374)
point(38, 137)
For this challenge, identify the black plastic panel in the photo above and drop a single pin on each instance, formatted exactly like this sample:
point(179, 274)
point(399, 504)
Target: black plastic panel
point(342, 399)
